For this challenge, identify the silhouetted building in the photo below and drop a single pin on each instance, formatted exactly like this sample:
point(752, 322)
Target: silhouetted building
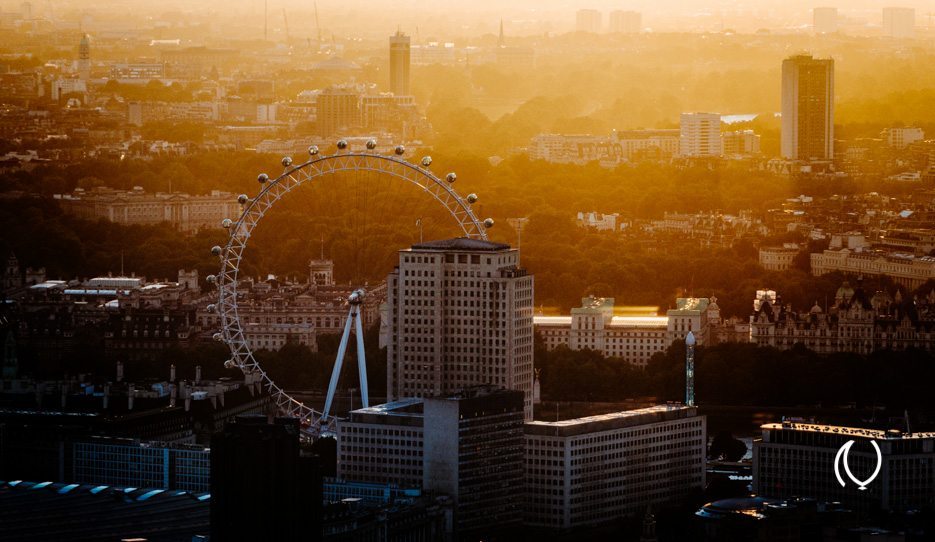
point(588, 20)
point(84, 58)
point(262, 486)
point(899, 22)
point(338, 111)
point(399, 64)
point(626, 22)
point(807, 108)
point(825, 20)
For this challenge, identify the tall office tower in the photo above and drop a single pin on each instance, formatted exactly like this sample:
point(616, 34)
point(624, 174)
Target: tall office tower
point(700, 134)
point(825, 20)
point(626, 22)
point(807, 108)
point(84, 58)
point(459, 314)
point(337, 111)
point(588, 20)
point(899, 22)
point(258, 471)
point(399, 64)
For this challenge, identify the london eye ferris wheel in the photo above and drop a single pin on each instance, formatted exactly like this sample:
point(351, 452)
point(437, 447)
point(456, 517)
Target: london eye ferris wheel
point(449, 205)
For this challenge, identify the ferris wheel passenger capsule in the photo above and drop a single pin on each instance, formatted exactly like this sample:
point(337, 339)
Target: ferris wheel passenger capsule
point(313, 150)
point(242, 199)
point(488, 222)
point(426, 161)
point(451, 177)
point(227, 223)
point(371, 144)
point(216, 250)
point(472, 198)
point(211, 307)
point(262, 178)
point(212, 279)
point(217, 337)
point(400, 150)
point(342, 144)
point(286, 161)
point(229, 364)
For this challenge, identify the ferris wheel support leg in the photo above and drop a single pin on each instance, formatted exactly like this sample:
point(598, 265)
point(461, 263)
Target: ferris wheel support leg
point(361, 361)
point(338, 361)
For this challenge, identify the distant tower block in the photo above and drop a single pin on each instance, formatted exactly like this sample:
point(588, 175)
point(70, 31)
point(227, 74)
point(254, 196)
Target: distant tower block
point(690, 369)
point(399, 64)
point(84, 58)
point(321, 272)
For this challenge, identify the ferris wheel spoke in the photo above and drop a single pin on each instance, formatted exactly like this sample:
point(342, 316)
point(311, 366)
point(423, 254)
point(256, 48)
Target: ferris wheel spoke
point(252, 212)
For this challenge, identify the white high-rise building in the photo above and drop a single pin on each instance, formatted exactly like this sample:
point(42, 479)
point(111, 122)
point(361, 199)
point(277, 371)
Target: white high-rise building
point(459, 314)
point(807, 108)
point(700, 134)
point(825, 20)
point(902, 137)
point(588, 20)
point(899, 22)
point(626, 22)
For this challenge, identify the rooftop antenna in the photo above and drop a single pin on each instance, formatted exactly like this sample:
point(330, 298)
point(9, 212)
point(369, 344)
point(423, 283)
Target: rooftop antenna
point(518, 224)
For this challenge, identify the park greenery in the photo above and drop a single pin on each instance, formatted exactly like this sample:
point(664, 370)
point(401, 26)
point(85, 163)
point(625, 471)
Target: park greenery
point(360, 221)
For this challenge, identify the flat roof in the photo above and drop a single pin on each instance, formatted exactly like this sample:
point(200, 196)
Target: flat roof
point(610, 421)
point(461, 243)
point(616, 321)
point(858, 432)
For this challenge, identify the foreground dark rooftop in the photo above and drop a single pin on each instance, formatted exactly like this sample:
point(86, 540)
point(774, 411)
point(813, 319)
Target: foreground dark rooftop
point(43, 511)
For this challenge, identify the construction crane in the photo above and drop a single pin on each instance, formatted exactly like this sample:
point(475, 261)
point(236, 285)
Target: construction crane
point(317, 25)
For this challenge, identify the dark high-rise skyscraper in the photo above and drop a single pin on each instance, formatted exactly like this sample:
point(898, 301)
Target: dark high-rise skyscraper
point(399, 64)
point(807, 108)
point(84, 58)
point(262, 487)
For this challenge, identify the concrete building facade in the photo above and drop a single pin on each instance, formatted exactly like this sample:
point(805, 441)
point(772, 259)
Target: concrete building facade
point(798, 459)
point(700, 135)
point(588, 471)
point(460, 314)
point(807, 108)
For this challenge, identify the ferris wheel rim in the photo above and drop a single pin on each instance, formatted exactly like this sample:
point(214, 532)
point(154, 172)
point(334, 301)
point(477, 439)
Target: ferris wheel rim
point(253, 210)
